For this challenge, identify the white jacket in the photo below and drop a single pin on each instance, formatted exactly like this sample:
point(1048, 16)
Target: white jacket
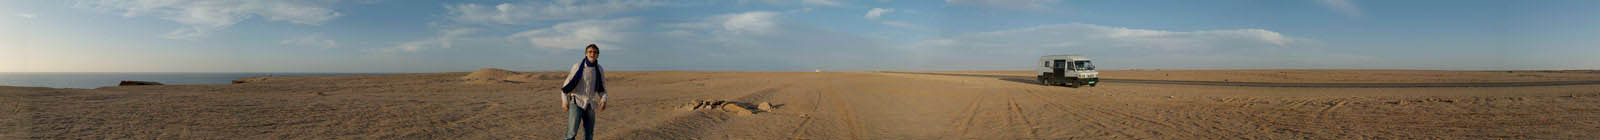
point(585, 94)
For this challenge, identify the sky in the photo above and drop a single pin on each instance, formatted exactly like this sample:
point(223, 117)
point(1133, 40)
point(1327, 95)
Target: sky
point(791, 35)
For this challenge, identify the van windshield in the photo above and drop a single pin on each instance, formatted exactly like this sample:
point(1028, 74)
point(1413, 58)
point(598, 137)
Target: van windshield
point(1082, 65)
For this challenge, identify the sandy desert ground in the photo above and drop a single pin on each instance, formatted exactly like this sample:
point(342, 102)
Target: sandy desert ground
point(1337, 76)
point(491, 104)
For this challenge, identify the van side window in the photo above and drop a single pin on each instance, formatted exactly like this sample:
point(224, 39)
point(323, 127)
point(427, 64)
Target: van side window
point(1058, 64)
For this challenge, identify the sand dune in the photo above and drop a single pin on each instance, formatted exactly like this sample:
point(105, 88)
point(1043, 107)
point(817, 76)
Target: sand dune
point(499, 104)
point(493, 75)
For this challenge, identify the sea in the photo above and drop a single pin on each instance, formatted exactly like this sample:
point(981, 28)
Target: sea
point(102, 79)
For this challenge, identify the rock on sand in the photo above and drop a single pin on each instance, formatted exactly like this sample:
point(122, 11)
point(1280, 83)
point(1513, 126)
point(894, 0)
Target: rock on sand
point(736, 109)
point(765, 106)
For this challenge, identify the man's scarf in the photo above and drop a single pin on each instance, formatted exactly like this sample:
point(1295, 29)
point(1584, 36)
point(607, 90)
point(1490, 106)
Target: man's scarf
point(599, 77)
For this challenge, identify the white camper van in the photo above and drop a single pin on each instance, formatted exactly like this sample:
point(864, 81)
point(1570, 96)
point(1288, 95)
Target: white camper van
point(1069, 70)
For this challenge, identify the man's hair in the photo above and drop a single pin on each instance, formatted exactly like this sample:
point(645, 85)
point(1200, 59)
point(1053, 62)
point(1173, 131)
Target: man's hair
point(592, 46)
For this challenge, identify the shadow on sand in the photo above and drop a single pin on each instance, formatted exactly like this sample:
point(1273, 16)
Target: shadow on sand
point(1020, 80)
point(1026, 81)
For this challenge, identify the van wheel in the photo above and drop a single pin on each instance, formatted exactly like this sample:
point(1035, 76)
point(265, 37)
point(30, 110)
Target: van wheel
point(1041, 81)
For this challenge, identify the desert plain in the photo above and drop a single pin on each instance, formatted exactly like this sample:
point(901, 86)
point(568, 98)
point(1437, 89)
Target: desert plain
point(499, 104)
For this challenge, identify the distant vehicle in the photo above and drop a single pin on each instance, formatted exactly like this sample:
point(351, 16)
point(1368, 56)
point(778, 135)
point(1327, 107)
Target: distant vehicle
point(1068, 70)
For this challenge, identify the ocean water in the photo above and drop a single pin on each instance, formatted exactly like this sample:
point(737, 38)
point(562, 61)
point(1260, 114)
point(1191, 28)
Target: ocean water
point(101, 79)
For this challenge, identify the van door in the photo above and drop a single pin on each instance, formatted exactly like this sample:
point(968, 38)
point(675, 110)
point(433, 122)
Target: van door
point(1059, 69)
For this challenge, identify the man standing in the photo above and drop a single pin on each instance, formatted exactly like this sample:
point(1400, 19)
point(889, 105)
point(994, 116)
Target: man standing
point(584, 93)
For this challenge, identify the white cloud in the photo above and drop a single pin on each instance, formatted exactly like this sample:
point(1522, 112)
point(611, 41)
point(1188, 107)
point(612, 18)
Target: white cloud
point(759, 22)
point(829, 3)
point(877, 13)
point(315, 40)
point(823, 2)
point(733, 29)
point(207, 16)
point(763, 40)
point(414, 46)
point(26, 15)
point(736, 29)
point(577, 34)
point(531, 11)
point(444, 39)
point(905, 25)
point(1343, 6)
point(1089, 35)
point(1008, 4)
point(761, 29)
point(761, 1)
point(1121, 47)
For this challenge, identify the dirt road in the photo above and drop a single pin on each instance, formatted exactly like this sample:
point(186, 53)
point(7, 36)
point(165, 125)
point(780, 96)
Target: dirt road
point(827, 105)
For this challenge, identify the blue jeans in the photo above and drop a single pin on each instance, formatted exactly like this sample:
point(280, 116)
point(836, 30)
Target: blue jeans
point(577, 115)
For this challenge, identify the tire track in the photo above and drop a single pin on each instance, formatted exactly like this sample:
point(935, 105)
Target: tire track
point(849, 118)
point(1033, 130)
point(1094, 125)
point(1099, 122)
point(960, 125)
point(1327, 112)
point(484, 110)
point(816, 103)
point(1126, 115)
point(481, 112)
point(1184, 130)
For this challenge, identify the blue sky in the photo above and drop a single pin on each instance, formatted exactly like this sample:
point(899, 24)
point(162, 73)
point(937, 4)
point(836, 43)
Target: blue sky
point(790, 35)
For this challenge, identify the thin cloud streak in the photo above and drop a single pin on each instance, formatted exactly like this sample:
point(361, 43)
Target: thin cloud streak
point(1343, 7)
point(204, 17)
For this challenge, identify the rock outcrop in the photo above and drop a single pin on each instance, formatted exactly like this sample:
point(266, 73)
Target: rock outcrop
point(727, 106)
